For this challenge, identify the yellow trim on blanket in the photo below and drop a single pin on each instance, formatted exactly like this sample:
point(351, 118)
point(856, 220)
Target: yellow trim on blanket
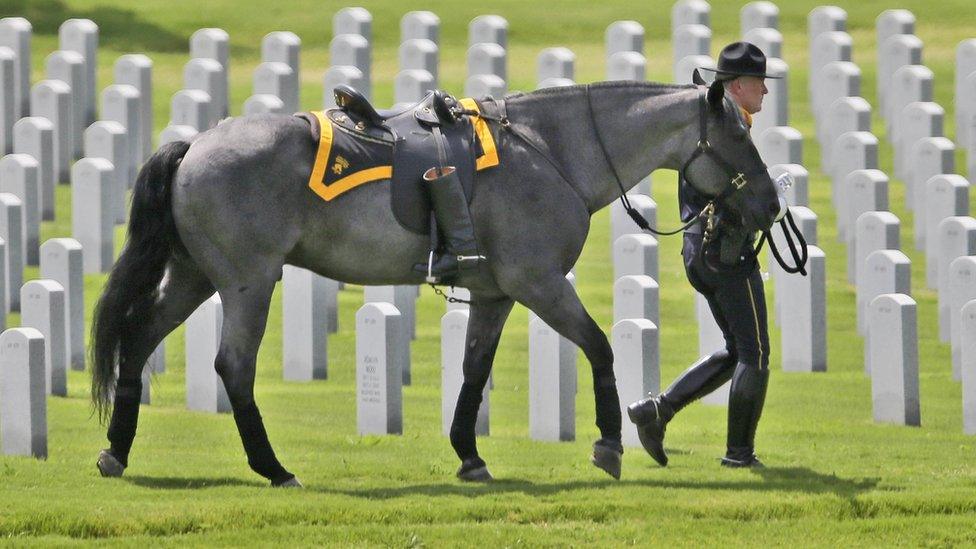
point(322, 158)
point(481, 129)
point(354, 180)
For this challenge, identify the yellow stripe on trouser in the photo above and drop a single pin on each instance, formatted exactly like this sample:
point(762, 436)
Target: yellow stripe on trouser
point(481, 129)
point(755, 317)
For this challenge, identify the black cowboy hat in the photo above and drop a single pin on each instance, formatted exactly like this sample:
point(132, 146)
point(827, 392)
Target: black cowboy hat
point(741, 59)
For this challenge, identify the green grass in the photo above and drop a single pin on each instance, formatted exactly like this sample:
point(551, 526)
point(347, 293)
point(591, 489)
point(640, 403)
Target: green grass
point(835, 477)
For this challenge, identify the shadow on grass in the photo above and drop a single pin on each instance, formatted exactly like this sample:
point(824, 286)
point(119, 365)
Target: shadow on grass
point(120, 27)
point(179, 483)
point(773, 479)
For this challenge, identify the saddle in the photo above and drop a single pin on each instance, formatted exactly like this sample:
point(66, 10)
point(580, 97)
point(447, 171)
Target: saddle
point(435, 132)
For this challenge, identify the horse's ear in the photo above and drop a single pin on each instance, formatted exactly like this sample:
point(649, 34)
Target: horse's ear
point(716, 92)
point(696, 78)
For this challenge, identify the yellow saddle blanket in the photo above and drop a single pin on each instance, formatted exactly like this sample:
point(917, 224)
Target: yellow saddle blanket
point(345, 160)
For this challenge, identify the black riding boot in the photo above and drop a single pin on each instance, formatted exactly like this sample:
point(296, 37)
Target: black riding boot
point(746, 401)
point(652, 414)
point(454, 220)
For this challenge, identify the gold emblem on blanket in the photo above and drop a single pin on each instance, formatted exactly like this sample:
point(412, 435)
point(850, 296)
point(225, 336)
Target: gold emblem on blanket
point(339, 164)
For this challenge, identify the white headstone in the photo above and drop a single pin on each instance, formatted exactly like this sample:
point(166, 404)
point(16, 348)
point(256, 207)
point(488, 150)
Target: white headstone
point(4, 309)
point(205, 390)
point(775, 110)
point(208, 75)
point(404, 298)
point(488, 29)
point(780, 145)
point(69, 67)
point(277, 79)
point(636, 366)
point(825, 19)
point(552, 384)
point(690, 12)
point(909, 84)
point(23, 405)
point(837, 79)
point(760, 14)
point(81, 36)
point(626, 65)
point(211, 43)
point(420, 25)
point(19, 177)
point(685, 68)
point(826, 48)
point(136, 70)
point(51, 99)
point(122, 103)
point(806, 222)
point(769, 40)
point(263, 103)
point(636, 296)
point(851, 151)
point(12, 233)
point(864, 191)
point(624, 36)
point(929, 156)
point(690, 40)
point(555, 63)
point(635, 254)
point(61, 261)
point(884, 272)
point(107, 139)
point(410, 86)
point(15, 33)
point(621, 223)
point(968, 367)
point(177, 132)
point(379, 393)
point(42, 308)
point(420, 54)
point(340, 74)
point(894, 359)
point(486, 59)
point(34, 136)
point(93, 212)
point(918, 120)
point(957, 237)
point(873, 231)
point(894, 52)
point(8, 99)
point(353, 50)
point(457, 293)
point(962, 290)
point(484, 85)
point(454, 330)
point(847, 114)
point(710, 340)
point(304, 324)
point(285, 47)
point(804, 329)
point(947, 195)
point(192, 108)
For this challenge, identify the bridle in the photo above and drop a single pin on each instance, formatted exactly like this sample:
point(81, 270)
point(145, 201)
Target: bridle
point(737, 182)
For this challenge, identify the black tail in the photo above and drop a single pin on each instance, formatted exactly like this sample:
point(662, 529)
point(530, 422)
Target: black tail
point(134, 280)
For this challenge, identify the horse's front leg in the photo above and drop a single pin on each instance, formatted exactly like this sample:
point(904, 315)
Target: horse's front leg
point(245, 309)
point(554, 299)
point(487, 318)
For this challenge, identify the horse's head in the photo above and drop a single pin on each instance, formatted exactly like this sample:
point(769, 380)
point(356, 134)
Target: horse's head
point(726, 165)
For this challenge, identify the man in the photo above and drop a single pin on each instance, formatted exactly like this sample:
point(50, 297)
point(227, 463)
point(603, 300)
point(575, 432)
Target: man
point(735, 296)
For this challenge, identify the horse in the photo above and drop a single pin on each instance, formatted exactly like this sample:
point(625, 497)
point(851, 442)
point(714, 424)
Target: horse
point(226, 210)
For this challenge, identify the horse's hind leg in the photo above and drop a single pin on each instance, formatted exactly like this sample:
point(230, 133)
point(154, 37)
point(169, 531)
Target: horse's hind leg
point(555, 301)
point(183, 288)
point(484, 330)
point(245, 308)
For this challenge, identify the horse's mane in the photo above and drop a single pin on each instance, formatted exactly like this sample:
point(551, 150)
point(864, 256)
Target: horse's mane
point(650, 88)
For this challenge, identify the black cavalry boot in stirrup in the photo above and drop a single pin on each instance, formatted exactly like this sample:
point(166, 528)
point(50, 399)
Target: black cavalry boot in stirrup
point(454, 220)
point(746, 398)
point(652, 414)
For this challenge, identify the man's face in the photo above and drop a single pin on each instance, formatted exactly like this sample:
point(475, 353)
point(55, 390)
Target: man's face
point(748, 92)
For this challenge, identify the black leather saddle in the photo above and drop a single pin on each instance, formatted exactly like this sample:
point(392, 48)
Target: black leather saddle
point(432, 133)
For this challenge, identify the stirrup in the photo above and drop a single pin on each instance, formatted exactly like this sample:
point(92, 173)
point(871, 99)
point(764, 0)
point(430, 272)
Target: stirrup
point(461, 260)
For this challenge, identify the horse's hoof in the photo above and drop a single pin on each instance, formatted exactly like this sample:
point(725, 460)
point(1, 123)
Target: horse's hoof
point(108, 466)
point(608, 455)
point(474, 470)
point(293, 482)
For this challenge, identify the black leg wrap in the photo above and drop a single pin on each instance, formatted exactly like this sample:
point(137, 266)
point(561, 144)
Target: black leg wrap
point(260, 456)
point(465, 417)
point(700, 379)
point(746, 399)
point(125, 418)
point(607, 406)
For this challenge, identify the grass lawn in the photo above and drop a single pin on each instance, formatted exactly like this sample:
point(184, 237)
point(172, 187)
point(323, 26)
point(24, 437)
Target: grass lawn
point(833, 477)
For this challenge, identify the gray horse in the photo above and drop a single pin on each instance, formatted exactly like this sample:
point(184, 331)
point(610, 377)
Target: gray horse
point(226, 212)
